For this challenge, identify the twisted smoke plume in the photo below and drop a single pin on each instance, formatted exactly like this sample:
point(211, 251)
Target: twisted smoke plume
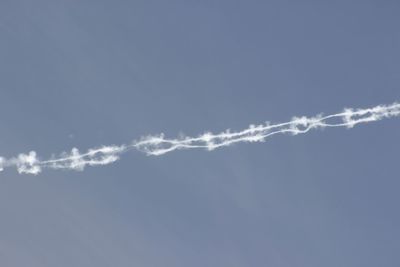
point(159, 145)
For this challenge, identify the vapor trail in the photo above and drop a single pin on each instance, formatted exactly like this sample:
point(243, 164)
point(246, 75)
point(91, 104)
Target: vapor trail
point(159, 145)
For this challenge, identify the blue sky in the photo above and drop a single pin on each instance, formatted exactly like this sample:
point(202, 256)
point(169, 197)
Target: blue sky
point(87, 73)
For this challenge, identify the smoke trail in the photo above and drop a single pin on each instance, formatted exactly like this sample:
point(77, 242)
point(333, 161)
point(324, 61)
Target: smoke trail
point(159, 145)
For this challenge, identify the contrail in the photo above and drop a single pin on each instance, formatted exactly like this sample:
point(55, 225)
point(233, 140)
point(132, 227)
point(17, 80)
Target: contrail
point(159, 145)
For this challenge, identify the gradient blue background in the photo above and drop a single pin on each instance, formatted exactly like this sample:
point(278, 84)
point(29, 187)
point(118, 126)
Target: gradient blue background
point(87, 73)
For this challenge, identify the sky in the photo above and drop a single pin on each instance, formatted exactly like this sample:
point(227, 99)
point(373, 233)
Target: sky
point(90, 73)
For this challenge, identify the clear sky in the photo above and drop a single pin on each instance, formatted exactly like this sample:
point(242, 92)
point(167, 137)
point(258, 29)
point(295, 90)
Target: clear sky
point(87, 73)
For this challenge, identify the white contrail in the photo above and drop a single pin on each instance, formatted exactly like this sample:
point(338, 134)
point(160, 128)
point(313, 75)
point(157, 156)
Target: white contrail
point(159, 145)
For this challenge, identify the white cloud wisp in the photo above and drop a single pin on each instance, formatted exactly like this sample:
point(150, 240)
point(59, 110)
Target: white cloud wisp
point(159, 145)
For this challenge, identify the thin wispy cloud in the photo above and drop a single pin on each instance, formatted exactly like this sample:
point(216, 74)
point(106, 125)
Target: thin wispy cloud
point(159, 145)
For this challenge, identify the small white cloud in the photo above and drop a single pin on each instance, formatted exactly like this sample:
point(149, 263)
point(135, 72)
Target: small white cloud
point(2, 160)
point(28, 163)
